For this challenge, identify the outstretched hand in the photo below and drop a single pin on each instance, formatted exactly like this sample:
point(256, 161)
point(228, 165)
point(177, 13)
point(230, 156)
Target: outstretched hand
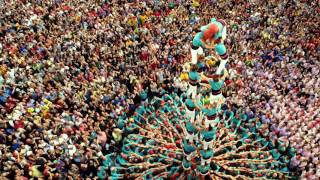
point(210, 44)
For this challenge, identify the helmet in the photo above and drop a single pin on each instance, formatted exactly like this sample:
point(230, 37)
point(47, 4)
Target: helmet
point(212, 29)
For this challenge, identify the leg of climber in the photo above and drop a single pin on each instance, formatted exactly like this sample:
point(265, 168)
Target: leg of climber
point(222, 52)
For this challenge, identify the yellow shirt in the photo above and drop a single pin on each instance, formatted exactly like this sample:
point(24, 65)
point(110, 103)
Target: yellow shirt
point(129, 43)
point(37, 120)
point(265, 35)
point(3, 70)
point(184, 76)
point(30, 110)
point(132, 21)
point(195, 3)
point(77, 18)
point(36, 172)
point(143, 19)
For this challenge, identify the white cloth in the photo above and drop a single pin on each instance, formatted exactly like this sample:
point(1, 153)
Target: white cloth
point(207, 145)
point(200, 51)
point(199, 118)
point(190, 115)
point(222, 66)
point(189, 157)
point(184, 86)
point(204, 161)
point(194, 58)
point(192, 91)
point(219, 99)
point(211, 123)
point(224, 33)
point(195, 53)
point(190, 137)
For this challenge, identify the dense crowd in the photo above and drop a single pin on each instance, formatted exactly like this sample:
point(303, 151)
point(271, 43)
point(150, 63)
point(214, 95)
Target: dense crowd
point(278, 71)
point(69, 70)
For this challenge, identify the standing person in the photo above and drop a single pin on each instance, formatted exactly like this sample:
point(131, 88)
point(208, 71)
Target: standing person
point(216, 95)
point(194, 78)
point(190, 110)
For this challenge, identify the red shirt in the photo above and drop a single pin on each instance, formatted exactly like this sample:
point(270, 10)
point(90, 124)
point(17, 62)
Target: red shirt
point(158, 14)
point(66, 8)
point(171, 42)
point(144, 56)
point(153, 66)
point(18, 124)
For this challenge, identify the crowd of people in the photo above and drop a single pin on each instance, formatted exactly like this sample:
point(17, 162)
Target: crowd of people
point(71, 70)
point(278, 75)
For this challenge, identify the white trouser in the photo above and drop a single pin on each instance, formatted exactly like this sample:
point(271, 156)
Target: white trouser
point(211, 123)
point(222, 66)
point(224, 33)
point(190, 115)
point(207, 145)
point(189, 156)
point(204, 161)
point(192, 90)
point(218, 99)
point(199, 118)
point(194, 55)
point(222, 62)
point(190, 137)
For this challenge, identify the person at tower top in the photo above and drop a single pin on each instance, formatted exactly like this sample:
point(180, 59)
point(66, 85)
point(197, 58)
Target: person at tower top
point(211, 36)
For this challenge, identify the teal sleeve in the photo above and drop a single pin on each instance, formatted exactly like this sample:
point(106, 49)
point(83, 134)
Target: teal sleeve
point(220, 49)
point(213, 20)
point(197, 40)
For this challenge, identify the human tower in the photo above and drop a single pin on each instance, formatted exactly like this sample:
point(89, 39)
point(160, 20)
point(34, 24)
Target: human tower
point(194, 134)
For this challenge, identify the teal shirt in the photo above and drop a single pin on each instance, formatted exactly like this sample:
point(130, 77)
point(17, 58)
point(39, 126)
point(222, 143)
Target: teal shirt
point(216, 85)
point(203, 169)
point(141, 110)
point(285, 170)
point(108, 161)
point(190, 103)
point(190, 127)
point(276, 155)
point(194, 76)
point(143, 95)
point(292, 151)
point(243, 117)
point(236, 121)
point(209, 134)
point(197, 40)
point(212, 112)
point(121, 161)
point(188, 148)
point(282, 146)
point(186, 163)
point(121, 124)
point(102, 174)
point(206, 154)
